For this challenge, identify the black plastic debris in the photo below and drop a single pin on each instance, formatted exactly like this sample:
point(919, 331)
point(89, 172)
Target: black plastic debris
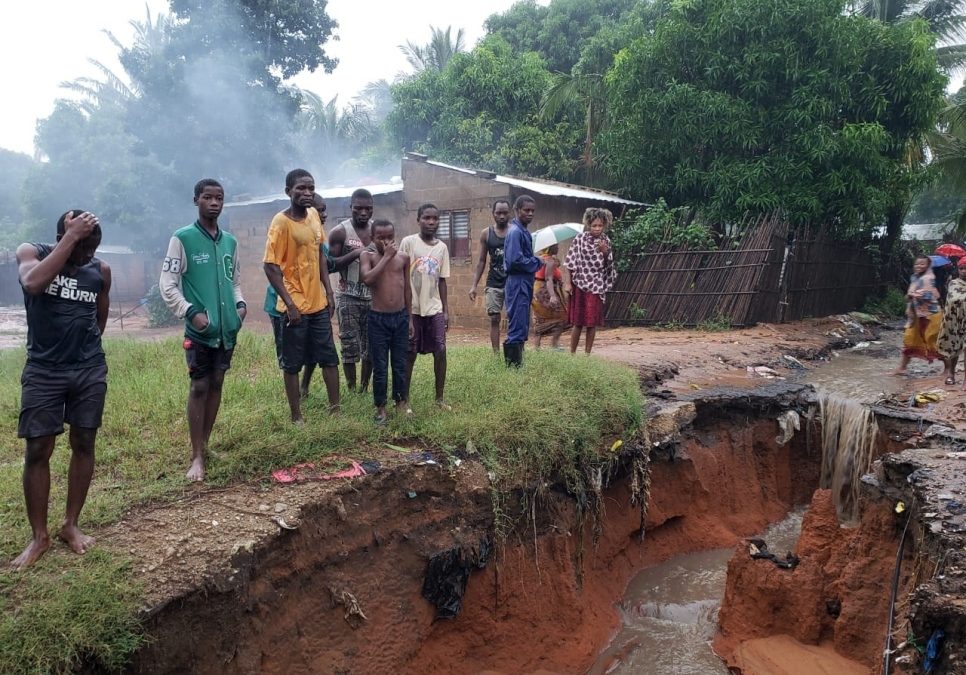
point(758, 549)
point(447, 575)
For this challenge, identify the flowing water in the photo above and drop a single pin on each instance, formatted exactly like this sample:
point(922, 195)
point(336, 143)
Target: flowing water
point(670, 612)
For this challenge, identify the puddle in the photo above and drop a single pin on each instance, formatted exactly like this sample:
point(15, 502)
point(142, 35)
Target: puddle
point(670, 612)
point(13, 327)
point(863, 375)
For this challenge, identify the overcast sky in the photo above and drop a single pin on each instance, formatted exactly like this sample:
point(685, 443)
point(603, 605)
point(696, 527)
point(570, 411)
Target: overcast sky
point(44, 45)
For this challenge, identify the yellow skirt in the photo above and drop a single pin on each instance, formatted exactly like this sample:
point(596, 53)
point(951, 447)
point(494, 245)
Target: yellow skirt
point(921, 336)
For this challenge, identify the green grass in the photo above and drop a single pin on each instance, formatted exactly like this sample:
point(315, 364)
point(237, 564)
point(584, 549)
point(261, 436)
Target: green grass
point(548, 421)
point(715, 324)
point(889, 305)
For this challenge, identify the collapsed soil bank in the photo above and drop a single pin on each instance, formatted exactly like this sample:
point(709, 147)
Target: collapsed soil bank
point(840, 593)
point(343, 591)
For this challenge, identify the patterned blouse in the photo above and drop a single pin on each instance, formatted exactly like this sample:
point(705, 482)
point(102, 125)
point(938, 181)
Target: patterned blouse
point(590, 270)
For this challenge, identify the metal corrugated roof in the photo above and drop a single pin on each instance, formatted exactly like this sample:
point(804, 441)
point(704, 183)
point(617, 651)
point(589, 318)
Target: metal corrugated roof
point(326, 193)
point(548, 188)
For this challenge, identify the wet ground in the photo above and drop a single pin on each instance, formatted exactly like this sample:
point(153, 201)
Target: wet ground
point(670, 612)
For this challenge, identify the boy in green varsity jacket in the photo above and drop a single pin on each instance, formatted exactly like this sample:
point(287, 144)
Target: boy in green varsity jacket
point(200, 283)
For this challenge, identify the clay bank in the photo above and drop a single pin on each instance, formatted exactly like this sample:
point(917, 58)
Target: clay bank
point(423, 559)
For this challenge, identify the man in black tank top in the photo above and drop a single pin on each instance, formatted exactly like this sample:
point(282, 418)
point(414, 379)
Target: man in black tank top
point(66, 294)
point(491, 244)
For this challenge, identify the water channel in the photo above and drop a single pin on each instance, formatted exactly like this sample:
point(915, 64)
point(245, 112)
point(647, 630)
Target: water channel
point(669, 612)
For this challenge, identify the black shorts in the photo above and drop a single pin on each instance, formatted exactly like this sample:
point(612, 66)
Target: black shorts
point(308, 341)
point(203, 360)
point(48, 398)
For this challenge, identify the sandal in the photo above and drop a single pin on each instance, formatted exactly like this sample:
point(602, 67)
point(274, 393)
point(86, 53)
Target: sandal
point(950, 380)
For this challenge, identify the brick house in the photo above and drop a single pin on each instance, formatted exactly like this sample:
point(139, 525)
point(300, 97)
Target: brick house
point(464, 197)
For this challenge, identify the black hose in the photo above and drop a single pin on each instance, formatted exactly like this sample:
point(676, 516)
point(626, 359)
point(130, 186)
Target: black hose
point(892, 602)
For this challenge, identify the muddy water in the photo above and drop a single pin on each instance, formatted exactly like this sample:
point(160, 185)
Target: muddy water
point(863, 374)
point(670, 612)
point(13, 327)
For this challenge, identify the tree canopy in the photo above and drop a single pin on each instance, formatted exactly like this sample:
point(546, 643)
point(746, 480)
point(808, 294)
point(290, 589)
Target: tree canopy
point(745, 105)
point(482, 109)
point(559, 30)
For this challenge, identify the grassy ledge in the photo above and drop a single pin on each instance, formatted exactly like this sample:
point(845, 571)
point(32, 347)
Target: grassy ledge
point(547, 420)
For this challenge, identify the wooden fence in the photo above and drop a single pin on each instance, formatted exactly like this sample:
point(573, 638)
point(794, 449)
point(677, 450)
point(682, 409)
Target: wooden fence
point(771, 273)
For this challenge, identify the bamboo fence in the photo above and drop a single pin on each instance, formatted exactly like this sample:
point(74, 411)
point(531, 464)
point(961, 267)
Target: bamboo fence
point(768, 273)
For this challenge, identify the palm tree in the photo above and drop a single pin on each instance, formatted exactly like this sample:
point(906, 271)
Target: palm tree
point(948, 148)
point(946, 19)
point(435, 54)
point(580, 89)
point(377, 96)
point(151, 36)
point(96, 94)
point(335, 129)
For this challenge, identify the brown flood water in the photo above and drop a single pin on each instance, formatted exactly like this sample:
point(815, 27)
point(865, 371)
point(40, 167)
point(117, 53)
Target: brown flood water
point(670, 612)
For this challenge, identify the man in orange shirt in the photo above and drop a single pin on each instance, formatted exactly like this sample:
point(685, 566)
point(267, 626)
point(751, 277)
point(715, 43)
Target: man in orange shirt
point(292, 266)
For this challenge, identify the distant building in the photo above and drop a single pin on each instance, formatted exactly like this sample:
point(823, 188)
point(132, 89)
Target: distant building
point(464, 197)
point(924, 231)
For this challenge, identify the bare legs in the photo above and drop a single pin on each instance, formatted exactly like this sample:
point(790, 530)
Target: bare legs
point(903, 364)
point(554, 338)
point(306, 380)
point(330, 376)
point(439, 371)
point(78, 481)
point(204, 400)
point(495, 332)
point(294, 396)
point(588, 341)
point(36, 489)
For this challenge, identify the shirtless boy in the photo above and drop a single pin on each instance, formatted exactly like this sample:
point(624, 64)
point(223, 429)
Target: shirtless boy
point(386, 273)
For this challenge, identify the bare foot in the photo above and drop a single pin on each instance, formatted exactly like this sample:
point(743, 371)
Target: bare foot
point(32, 553)
point(403, 408)
point(443, 405)
point(380, 418)
point(196, 472)
point(303, 393)
point(298, 421)
point(335, 409)
point(79, 542)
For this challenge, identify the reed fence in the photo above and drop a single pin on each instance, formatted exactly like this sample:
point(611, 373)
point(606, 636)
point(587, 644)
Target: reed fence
point(770, 272)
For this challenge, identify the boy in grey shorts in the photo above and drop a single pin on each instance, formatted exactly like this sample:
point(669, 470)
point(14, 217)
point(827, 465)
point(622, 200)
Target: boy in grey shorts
point(491, 245)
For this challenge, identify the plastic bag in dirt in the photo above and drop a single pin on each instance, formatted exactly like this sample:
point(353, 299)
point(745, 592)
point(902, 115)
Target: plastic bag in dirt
point(447, 575)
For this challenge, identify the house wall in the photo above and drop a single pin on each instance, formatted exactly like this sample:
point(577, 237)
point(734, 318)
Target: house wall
point(455, 190)
point(423, 182)
point(132, 274)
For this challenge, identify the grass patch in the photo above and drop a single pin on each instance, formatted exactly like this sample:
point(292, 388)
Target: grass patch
point(714, 324)
point(546, 420)
point(889, 305)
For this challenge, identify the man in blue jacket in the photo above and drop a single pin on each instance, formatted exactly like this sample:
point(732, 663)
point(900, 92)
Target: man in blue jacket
point(200, 283)
point(520, 265)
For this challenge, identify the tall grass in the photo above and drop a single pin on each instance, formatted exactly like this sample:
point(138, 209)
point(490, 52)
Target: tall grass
point(525, 425)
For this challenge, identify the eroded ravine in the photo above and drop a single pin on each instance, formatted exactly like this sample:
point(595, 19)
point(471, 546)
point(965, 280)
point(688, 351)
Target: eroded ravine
point(344, 591)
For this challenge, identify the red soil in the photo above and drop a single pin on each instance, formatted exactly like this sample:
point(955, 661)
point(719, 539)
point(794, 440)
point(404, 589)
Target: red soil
point(838, 594)
point(285, 610)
